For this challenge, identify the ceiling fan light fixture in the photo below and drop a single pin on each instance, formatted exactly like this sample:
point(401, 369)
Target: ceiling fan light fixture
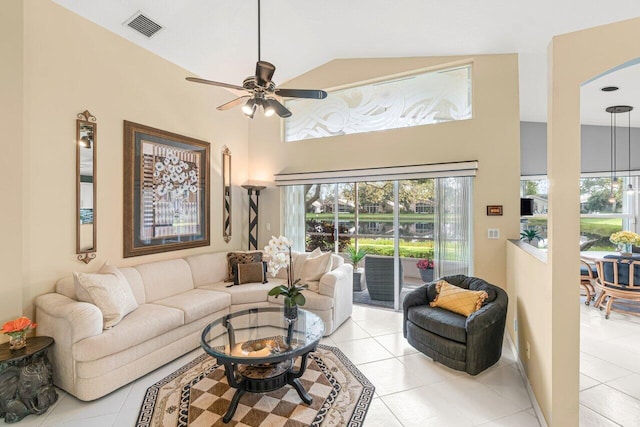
point(260, 86)
point(268, 108)
point(249, 108)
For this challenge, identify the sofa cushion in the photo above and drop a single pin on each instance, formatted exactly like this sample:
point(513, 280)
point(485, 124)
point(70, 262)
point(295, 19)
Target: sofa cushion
point(109, 291)
point(249, 293)
point(449, 352)
point(253, 272)
point(197, 303)
point(439, 321)
point(208, 268)
point(235, 258)
point(315, 301)
point(144, 323)
point(456, 299)
point(135, 281)
point(163, 279)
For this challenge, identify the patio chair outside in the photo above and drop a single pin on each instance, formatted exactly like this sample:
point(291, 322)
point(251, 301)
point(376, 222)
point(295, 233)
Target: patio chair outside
point(378, 272)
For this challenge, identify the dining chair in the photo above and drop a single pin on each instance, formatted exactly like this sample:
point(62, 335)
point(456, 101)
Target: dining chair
point(618, 282)
point(588, 274)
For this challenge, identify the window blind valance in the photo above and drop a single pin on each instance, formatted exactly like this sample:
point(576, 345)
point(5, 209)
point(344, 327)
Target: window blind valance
point(388, 173)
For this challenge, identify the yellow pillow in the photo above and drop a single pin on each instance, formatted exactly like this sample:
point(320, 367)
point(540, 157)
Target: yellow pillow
point(456, 299)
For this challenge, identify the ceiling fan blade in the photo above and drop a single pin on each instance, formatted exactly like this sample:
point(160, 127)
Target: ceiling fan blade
point(211, 82)
point(301, 93)
point(233, 103)
point(264, 72)
point(280, 109)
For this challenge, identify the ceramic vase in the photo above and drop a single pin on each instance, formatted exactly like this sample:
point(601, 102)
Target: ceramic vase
point(17, 340)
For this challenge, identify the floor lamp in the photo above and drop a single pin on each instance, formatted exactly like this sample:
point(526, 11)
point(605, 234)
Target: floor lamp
point(254, 194)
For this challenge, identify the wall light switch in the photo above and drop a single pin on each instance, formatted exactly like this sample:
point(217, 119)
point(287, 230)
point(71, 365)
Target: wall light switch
point(493, 233)
point(268, 226)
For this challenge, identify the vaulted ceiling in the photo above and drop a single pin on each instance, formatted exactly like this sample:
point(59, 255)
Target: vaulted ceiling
point(218, 39)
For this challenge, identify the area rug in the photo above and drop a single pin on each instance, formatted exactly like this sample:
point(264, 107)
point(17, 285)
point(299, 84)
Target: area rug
point(198, 395)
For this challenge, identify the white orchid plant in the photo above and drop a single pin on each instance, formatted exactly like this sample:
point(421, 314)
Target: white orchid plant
point(279, 252)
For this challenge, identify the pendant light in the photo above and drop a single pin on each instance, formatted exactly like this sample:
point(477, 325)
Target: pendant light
point(613, 111)
point(629, 186)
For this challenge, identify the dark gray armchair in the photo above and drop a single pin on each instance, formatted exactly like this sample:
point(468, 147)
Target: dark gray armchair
point(470, 344)
point(378, 272)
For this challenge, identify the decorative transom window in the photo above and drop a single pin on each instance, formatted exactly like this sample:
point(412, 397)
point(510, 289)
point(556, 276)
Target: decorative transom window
point(411, 100)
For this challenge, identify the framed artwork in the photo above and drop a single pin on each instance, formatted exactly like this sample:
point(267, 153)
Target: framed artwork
point(166, 191)
point(494, 210)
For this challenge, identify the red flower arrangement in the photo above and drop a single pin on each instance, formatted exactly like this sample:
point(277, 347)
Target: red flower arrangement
point(425, 264)
point(18, 326)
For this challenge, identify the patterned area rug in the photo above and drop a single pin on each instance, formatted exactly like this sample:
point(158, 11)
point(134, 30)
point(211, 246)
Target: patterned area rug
point(198, 395)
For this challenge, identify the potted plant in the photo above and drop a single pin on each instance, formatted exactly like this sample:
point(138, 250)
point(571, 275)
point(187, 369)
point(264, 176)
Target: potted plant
point(355, 256)
point(279, 252)
point(426, 269)
point(530, 234)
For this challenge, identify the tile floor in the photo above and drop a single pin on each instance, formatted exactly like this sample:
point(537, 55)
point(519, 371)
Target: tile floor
point(411, 390)
point(609, 369)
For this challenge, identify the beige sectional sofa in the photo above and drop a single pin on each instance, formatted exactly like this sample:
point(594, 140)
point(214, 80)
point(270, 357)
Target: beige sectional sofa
point(176, 299)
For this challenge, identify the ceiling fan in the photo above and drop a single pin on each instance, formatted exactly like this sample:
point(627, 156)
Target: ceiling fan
point(262, 91)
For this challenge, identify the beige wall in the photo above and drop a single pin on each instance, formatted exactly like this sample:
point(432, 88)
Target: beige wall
point(573, 59)
point(491, 137)
point(529, 288)
point(70, 65)
point(12, 179)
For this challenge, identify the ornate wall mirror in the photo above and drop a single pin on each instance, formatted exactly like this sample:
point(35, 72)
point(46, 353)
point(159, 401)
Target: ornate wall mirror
point(226, 194)
point(86, 139)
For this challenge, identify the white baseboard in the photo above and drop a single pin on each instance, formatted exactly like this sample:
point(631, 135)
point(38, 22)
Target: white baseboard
point(523, 373)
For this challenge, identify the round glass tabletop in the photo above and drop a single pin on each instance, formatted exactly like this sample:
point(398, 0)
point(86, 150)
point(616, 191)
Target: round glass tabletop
point(261, 335)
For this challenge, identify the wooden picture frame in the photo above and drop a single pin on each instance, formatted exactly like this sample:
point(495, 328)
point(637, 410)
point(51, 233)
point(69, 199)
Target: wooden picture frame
point(494, 210)
point(166, 191)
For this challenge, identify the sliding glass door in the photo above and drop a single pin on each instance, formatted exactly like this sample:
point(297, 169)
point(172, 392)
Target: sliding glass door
point(414, 230)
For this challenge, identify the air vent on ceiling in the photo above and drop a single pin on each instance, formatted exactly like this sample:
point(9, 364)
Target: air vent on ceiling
point(143, 24)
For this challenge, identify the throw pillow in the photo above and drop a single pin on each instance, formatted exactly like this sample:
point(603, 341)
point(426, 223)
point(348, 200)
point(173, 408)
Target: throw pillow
point(314, 267)
point(109, 290)
point(254, 272)
point(235, 258)
point(456, 299)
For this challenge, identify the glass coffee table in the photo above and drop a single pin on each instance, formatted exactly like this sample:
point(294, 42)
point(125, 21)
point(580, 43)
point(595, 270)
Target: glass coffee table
point(258, 348)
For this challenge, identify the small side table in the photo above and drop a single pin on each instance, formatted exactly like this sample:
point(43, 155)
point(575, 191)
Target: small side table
point(26, 380)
